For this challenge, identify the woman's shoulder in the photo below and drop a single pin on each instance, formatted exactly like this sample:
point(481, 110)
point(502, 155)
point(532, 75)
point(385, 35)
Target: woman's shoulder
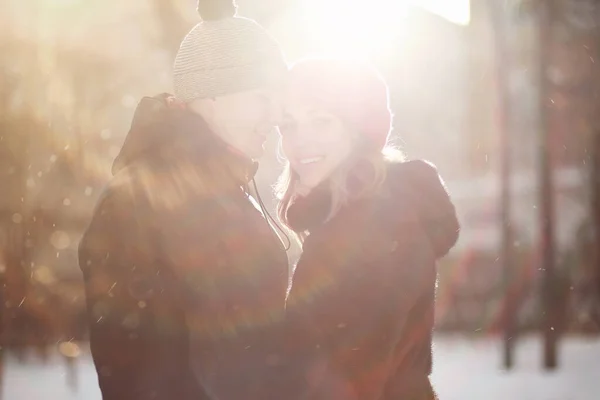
point(418, 185)
point(412, 169)
point(414, 177)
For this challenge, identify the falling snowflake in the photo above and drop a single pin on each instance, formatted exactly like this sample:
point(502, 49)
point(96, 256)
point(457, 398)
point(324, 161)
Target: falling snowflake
point(128, 101)
point(105, 134)
point(60, 240)
point(69, 349)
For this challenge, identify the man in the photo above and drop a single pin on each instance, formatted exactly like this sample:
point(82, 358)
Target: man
point(185, 279)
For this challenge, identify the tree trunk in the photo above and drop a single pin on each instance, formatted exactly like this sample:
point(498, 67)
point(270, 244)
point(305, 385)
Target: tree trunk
point(172, 25)
point(496, 14)
point(551, 316)
point(595, 164)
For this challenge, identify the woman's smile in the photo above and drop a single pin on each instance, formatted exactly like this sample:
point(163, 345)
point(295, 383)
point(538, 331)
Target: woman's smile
point(310, 160)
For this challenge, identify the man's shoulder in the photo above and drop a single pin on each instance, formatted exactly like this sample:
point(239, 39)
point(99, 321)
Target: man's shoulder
point(173, 188)
point(117, 194)
point(166, 200)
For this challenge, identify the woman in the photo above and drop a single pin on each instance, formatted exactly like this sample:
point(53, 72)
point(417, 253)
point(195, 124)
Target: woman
point(360, 309)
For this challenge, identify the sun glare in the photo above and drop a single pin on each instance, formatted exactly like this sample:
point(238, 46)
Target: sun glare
point(351, 28)
point(361, 28)
point(456, 11)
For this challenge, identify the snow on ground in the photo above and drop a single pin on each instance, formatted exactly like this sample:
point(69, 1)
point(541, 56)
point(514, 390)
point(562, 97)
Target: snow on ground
point(464, 370)
point(472, 370)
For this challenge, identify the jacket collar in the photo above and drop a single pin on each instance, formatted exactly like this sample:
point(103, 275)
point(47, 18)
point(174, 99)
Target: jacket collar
point(161, 127)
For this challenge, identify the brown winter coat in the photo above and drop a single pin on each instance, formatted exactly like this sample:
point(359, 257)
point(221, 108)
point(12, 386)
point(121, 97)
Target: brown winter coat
point(185, 280)
point(360, 311)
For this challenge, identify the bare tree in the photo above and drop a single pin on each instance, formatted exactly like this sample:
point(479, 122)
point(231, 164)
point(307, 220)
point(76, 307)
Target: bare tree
point(173, 26)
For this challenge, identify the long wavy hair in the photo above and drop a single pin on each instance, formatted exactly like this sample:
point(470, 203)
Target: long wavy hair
point(371, 161)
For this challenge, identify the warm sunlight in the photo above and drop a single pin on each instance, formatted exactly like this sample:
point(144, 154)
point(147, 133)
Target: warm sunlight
point(456, 11)
point(360, 28)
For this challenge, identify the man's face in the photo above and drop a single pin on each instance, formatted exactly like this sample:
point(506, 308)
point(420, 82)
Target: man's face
point(243, 120)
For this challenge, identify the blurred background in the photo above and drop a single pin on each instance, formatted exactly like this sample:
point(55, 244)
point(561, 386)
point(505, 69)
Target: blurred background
point(502, 95)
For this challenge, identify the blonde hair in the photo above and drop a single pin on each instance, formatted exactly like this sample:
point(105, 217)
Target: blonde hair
point(341, 194)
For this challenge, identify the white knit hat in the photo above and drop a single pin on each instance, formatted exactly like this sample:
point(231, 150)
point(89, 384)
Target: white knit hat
point(225, 54)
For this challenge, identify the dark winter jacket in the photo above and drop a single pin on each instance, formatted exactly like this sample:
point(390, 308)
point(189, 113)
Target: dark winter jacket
point(360, 311)
point(185, 280)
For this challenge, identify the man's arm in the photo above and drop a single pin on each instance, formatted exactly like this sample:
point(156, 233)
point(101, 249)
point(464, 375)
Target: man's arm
point(126, 304)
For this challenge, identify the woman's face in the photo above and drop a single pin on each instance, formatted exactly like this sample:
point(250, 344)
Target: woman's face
point(314, 141)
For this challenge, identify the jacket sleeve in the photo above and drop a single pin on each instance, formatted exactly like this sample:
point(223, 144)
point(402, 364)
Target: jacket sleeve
point(420, 180)
point(342, 292)
point(127, 306)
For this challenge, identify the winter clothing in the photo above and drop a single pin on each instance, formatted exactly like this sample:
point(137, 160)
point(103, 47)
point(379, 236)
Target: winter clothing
point(185, 280)
point(354, 91)
point(360, 311)
point(225, 54)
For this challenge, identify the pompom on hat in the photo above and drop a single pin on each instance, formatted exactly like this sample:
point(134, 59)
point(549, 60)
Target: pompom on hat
point(225, 54)
point(353, 90)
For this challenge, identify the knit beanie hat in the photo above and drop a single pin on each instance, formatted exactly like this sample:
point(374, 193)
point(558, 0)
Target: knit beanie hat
point(225, 54)
point(352, 90)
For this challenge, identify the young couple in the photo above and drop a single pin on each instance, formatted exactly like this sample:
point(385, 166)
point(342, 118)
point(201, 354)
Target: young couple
point(188, 290)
